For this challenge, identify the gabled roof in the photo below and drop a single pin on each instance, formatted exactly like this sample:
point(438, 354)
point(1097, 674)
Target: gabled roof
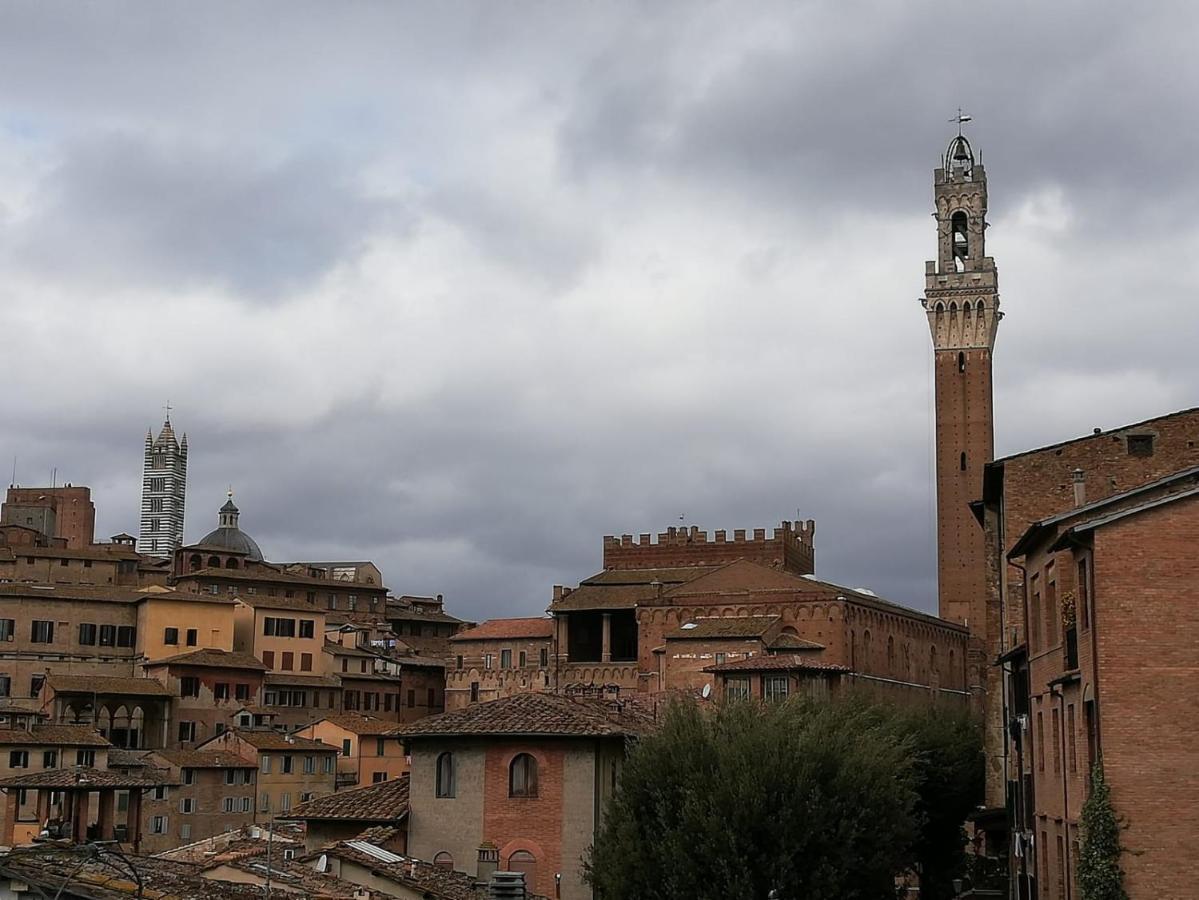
point(385, 802)
point(204, 759)
point(787, 641)
point(107, 684)
point(1097, 434)
point(262, 739)
point(54, 735)
point(709, 627)
point(533, 715)
point(78, 776)
point(788, 662)
point(357, 724)
point(296, 604)
point(509, 629)
point(1110, 508)
point(211, 658)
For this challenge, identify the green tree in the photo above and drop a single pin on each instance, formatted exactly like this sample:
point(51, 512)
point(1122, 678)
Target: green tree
point(950, 786)
point(815, 800)
point(1099, 874)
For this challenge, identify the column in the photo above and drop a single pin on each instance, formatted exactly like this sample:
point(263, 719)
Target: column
point(81, 811)
point(11, 798)
point(133, 818)
point(606, 653)
point(106, 815)
point(43, 807)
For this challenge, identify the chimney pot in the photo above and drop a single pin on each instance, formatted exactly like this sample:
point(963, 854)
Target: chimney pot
point(1080, 487)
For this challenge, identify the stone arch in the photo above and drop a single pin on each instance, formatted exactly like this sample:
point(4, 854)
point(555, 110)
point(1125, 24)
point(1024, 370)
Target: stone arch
point(214, 562)
point(195, 562)
point(231, 563)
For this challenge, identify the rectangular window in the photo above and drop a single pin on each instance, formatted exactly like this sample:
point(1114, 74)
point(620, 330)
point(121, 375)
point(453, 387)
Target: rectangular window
point(380, 746)
point(85, 757)
point(265, 764)
point(41, 632)
point(307, 628)
point(411, 699)
point(378, 777)
point(156, 504)
point(160, 792)
point(288, 765)
point(126, 635)
point(189, 686)
point(505, 659)
point(1034, 614)
point(327, 768)
point(245, 803)
point(776, 687)
point(5, 686)
point(158, 825)
point(523, 659)
point(189, 776)
point(187, 805)
point(35, 685)
point(185, 831)
point(1053, 615)
point(268, 658)
point(241, 692)
point(737, 688)
point(545, 657)
point(108, 635)
point(285, 801)
point(474, 692)
point(1071, 740)
point(170, 636)
point(1084, 593)
point(49, 759)
point(230, 804)
point(187, 731)
point(720, 658)
point(193, 637)
point(305, 662)
point(264, 802)
point(1057, 741)
point(87, 634)
point(459, 662)
point(345, 747)
point(288, 661)
point(18, 759)
point(220, 690)
point(309, 765)
point(7, 629)
point(1040, 742)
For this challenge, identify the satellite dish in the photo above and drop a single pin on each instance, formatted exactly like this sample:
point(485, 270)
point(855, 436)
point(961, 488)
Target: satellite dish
point(322, 864)
point(706, 692)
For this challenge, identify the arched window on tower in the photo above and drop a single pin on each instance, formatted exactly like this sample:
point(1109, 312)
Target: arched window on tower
point(960, 240)
point(445, 777)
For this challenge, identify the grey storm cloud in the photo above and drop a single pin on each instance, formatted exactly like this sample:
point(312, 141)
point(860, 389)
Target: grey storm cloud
point(118, 208)
point(461, 289)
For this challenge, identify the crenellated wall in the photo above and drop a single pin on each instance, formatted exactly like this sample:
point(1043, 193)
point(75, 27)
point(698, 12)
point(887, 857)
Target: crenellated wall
point(789, 547)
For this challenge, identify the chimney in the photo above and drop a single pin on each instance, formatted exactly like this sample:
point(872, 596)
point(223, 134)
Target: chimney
point(489, 861)
point(1080, 487)
point(506, 886)
point(557, 592)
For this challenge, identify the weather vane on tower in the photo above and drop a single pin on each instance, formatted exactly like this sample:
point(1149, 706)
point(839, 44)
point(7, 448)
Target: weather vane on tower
point(961, 118)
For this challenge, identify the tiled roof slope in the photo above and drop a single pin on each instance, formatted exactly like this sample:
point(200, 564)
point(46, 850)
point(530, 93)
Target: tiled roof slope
point(358, 724)
point(273, 740)
point(213, 658)
point(54, 735)
point(423, 878)
point(727, 627)
point(533, 714)
point(108, 684)
point(788, 662)
point(539, 627)
point(79, 775)
point(204, 759)
point(386, 801)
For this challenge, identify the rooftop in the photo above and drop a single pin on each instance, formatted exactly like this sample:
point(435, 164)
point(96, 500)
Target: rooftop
point(384, 802)
point(51, 735)
point(80, 776)
point(423, 878)
point(784, 662)
point(728, 627)
point(107, 684)
point(273, 740)
point(204, 759)
point(358, 724)
point(533, 715)
point(212, 658)
point(510, 629)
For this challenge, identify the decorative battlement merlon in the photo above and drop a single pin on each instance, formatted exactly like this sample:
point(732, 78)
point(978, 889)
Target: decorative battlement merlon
point(799, 532)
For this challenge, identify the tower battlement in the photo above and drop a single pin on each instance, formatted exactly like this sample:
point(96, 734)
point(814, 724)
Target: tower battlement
point(789, 546)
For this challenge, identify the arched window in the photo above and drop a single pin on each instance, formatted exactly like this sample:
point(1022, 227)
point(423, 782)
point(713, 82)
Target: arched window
point(443, 860)
point(522, 776)
point(524, 861)
point(194, 564)
point(214, 562)
point(231, 563)
point(445, 778)
point(961, 242)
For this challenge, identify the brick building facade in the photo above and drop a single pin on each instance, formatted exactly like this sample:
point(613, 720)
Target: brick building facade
point(498, 658)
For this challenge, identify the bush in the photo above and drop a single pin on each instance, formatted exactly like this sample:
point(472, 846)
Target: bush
point(1099, 874)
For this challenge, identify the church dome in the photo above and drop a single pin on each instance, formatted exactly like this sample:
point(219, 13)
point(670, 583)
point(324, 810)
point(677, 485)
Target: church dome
point(227, 536)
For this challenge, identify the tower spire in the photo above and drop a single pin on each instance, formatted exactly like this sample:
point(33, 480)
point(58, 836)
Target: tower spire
point(164, 488)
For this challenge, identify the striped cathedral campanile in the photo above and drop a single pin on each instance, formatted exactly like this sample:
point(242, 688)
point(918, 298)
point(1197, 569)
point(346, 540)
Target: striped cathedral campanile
point(164, 487)
point(961, 298)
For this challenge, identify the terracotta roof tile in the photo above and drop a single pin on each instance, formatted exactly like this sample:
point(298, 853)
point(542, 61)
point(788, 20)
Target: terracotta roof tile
point(273, 740)
point(108, 684)
point(789, 662)
point(79, 775)
point(514, 629)
point(358, 724)
point(54, 735)
point(204, 759)
point(427, 879)
point(386, 801)
point(549, 715)
point(724, 627)
point(212, 658)
point(793, 642)
point(268, 574)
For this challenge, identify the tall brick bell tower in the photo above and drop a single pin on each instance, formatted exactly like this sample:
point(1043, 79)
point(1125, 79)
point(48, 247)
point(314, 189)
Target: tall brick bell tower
point(961, 298)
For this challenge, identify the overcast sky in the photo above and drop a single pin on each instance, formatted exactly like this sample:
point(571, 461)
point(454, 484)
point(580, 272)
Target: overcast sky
point(462, 287)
